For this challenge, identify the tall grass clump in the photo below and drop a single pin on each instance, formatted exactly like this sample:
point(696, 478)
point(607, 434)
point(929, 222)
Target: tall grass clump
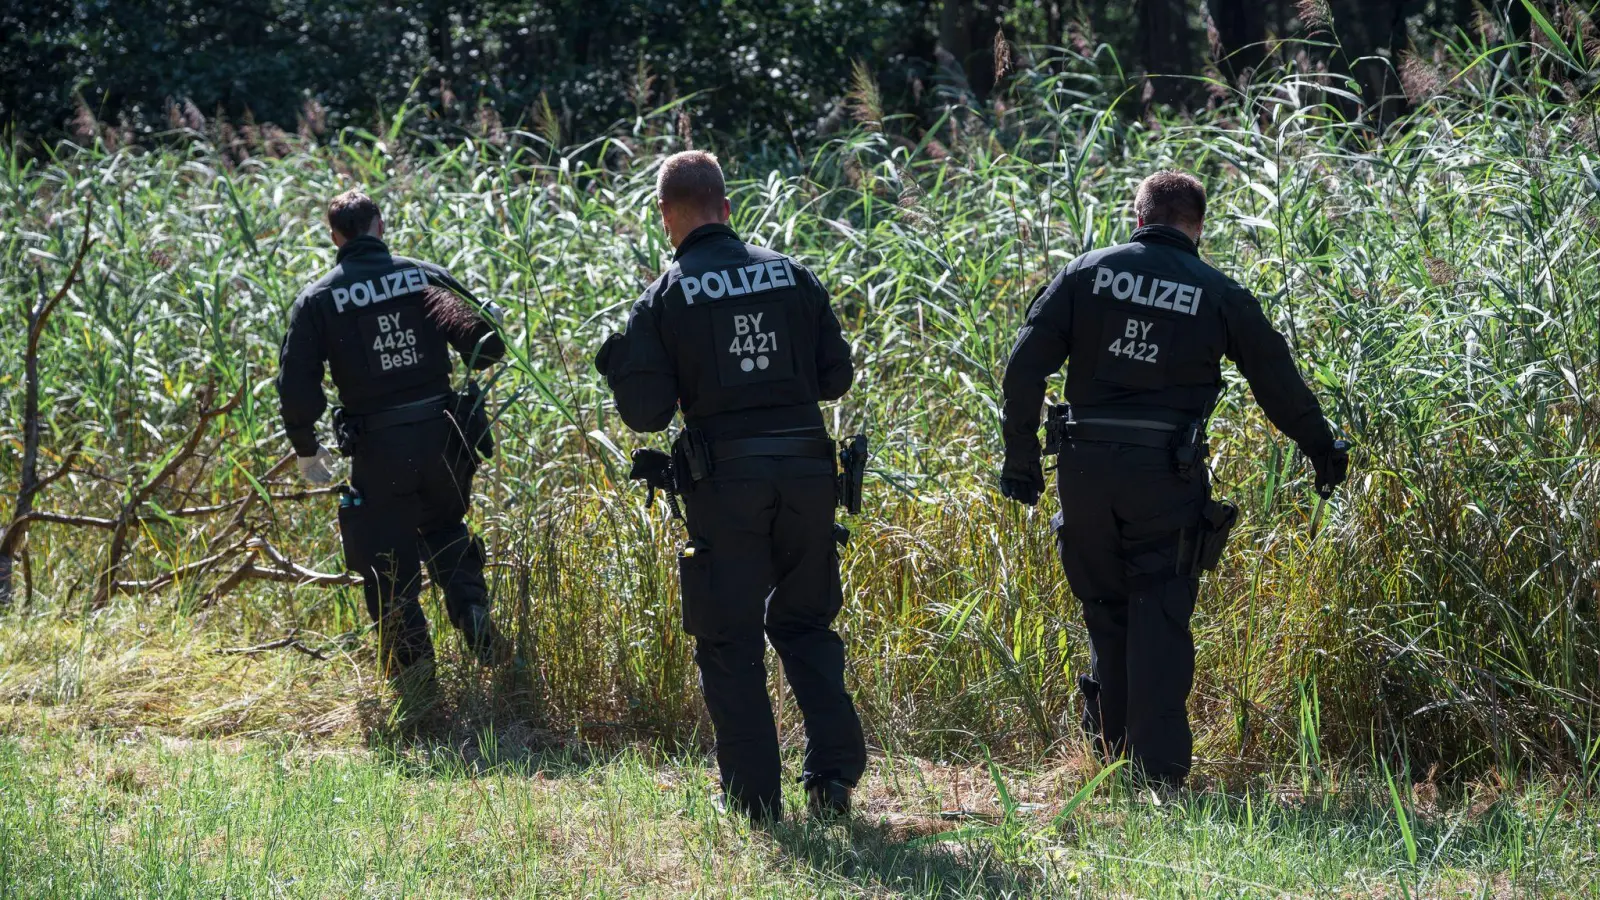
point(1436, 278)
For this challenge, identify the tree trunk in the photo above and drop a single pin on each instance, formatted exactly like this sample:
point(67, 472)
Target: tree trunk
point(1242, 32)
point(954, 34)
point(1165, 46)
point(439, 37)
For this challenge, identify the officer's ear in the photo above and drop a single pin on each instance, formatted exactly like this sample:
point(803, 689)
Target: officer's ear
point(727, 210)
point(378, 230)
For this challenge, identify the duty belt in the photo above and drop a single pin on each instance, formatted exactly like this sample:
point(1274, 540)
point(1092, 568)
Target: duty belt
point(744, 448)
point(1105, 431)
point(421, 411)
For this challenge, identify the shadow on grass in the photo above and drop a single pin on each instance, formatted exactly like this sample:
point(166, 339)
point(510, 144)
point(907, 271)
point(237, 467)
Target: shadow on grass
point(881, 858)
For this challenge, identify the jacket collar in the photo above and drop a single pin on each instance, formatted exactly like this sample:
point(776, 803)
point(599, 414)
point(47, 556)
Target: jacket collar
point(1166, 234)
point(703, 233)
point(366, 245)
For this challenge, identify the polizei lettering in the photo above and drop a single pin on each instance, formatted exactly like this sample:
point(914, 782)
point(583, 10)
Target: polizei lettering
point(752, 279)
point(375, 290)
point(1148, 290)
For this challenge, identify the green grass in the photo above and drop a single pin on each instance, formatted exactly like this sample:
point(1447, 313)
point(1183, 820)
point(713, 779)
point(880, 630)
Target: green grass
point(86, 816)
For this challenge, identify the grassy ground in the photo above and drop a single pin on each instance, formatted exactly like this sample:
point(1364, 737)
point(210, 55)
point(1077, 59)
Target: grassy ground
point(97, 815)
point(145, 763)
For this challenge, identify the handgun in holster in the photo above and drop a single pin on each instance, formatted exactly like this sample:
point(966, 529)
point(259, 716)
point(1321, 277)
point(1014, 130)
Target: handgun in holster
point(1189, 452)
point(853, 453)
point(691, 455)
point(655, 469)
point(1057, 422)
point(346, 432)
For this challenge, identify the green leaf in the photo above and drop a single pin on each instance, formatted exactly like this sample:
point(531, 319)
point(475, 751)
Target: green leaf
point(1085, 792)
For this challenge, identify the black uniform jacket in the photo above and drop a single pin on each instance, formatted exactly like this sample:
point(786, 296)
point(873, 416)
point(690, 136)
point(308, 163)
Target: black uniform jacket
point(1145, 326)
point(367, 321)
point(741, 338)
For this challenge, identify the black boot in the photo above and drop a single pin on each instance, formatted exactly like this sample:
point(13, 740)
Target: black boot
point(482, 637)
point(828, 798)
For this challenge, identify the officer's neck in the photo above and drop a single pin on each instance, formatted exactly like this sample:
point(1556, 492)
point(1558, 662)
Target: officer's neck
point(339, 240)
point(681, 230)
point(1192, 232)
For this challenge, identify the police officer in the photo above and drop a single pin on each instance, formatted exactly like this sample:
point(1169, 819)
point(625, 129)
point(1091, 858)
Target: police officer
point(1143, 327)
point(384, 325)
point(743, 341)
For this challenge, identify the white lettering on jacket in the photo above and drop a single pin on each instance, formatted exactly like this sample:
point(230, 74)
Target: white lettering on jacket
point(398, 283)
point(757, 278)
point(1147, 290)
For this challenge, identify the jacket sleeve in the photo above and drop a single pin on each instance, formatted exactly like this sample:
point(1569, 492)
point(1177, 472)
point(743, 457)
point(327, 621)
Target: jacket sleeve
point(835, 372)
point(300, 365)
point(1263, 358)
point(639, 368)
point(1042, 347)
point(481, 345)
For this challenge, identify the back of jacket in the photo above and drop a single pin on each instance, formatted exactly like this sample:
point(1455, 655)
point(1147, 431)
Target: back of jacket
point(1143, 327)
point(367, 319)
point(741, 338)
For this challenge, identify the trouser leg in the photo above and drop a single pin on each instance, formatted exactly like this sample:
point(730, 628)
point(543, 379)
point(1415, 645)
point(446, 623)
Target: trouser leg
point(1105, 688)
point(806, 600)
point(1155, 507)
point(380, 546)
point(733, 677)
point(455, 560)
point(725, 585)
point(1090, 549)
point(1160, 676)
point(455, 557)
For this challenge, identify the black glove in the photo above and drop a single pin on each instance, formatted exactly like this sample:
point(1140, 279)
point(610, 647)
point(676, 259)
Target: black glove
point(1332, 467)
point(1022, 480)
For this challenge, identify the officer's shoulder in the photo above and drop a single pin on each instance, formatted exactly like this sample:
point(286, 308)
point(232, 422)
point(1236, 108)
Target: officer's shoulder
point(766, 254)
point(760, 254)
point(407, 262)
point(654, 290)
point(320, 286)
point(1101, 255)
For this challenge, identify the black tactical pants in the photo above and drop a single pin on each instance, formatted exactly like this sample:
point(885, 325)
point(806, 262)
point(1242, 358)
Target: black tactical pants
point(1124, 510)
point(415, 482)
point(765, 561)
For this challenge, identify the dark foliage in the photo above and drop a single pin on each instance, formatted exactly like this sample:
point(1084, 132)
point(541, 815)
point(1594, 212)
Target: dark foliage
point(122, 70)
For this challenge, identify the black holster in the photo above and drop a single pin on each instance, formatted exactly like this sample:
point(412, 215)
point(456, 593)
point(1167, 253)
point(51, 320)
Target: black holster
point(470, 413)
point(1057, 422)
point(691, 458)
point(1190, 450)
point(346, 432)
point(853, 453)
point(1203, 544)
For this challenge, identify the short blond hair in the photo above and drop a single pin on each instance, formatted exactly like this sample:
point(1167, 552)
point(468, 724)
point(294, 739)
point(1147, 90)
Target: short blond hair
point(1170, 197)
point(692, 179)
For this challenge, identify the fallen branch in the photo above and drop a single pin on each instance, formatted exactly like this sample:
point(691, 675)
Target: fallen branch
point(291, 642)
point(29, 484)
point(129, 515)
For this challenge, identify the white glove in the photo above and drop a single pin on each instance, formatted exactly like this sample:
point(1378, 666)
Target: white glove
point(315, 469)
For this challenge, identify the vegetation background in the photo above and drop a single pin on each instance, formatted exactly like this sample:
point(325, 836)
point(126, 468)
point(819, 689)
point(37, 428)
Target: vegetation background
point(1411, 189)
